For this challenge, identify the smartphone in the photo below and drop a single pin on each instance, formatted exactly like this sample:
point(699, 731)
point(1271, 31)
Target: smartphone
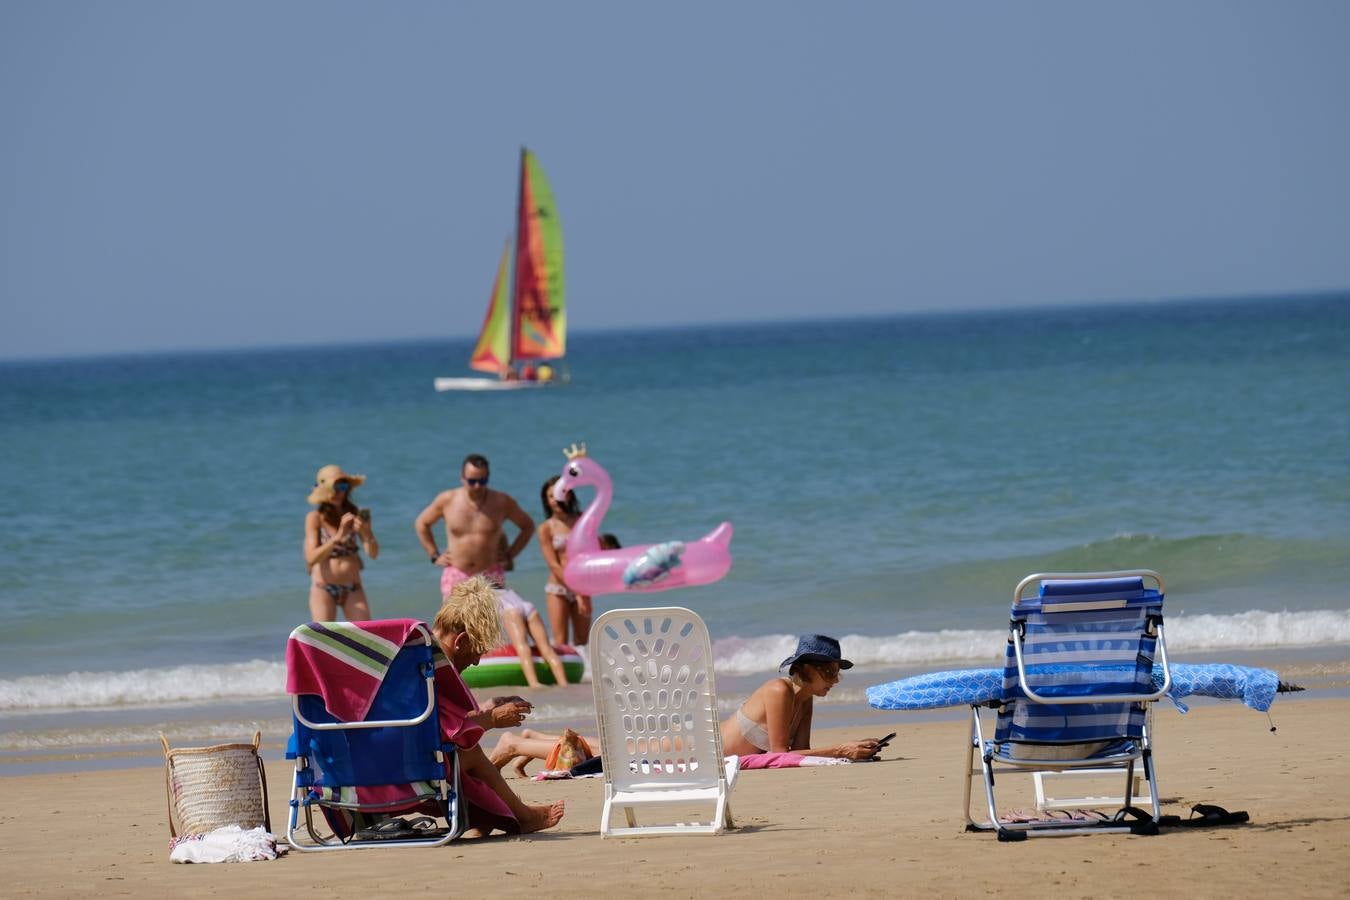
point(886, 740)
point(364, 514)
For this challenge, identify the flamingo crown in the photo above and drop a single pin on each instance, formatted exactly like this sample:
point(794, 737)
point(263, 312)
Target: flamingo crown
point(575, 451)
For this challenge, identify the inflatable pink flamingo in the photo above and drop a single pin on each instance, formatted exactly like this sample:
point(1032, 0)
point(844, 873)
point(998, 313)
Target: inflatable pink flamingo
point(650, 567)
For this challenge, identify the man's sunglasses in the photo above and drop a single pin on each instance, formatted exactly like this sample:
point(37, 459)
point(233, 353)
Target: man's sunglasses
point(475, 482)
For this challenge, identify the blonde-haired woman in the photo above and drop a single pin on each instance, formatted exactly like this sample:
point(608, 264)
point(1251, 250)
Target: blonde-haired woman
point(332, 551)
point(467, 626)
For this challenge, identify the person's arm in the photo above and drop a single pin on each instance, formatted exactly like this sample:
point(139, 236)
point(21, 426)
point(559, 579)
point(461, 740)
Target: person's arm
point(368, 539)
point(423, 524)
point(865, 749)
point(522, 521)
point(317, 551)
point(802, 736)
point(501, 712)
point(778, 715)
point(550, 555)
point(799, 742)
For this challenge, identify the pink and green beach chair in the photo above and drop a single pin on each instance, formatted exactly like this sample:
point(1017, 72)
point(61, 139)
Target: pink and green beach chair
point(367, 742)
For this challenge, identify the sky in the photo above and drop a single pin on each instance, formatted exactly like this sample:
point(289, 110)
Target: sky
point(185, 175)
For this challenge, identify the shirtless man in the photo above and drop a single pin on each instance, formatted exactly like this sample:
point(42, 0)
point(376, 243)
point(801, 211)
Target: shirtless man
point(473, 515)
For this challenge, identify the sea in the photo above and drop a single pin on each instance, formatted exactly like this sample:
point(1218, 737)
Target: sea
point(889, 481)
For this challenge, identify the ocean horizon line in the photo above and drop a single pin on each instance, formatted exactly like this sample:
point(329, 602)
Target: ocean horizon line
point(1105, 305)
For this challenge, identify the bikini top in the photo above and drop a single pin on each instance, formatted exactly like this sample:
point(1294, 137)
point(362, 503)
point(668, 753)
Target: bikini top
point(347, 547)
point(560, 540)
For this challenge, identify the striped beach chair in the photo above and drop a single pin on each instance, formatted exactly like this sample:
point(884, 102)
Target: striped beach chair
point(367, 741)
point(1077, 694)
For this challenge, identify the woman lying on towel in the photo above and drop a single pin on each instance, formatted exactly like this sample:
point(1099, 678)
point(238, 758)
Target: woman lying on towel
point(467, 626)
point(777, 716)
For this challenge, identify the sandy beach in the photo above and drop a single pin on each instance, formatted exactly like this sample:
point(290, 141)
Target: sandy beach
point(880, 829)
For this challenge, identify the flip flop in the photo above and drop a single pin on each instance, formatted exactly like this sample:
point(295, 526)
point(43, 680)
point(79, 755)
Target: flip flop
point(1017, 817)
point(1140, 822)
point(394, 829)
point(1213, 815)
point(425, 826)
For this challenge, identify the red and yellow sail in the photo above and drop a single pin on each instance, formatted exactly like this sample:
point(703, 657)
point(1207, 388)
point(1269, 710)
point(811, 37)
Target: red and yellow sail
point(539, 323)
point(492, 353)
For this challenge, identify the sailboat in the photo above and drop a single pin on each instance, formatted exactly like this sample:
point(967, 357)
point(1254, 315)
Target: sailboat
point(526, 320)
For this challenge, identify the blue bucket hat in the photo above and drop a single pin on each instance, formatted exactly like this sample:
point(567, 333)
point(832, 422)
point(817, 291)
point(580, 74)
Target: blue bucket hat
point(816, 648)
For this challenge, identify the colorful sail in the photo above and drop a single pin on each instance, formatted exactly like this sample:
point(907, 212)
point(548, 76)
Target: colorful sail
point(492, 353)
point(540, 319)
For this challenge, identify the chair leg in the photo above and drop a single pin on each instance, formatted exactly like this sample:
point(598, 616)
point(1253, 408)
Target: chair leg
point(628, 814)
point(970, 772)
point(606, 811)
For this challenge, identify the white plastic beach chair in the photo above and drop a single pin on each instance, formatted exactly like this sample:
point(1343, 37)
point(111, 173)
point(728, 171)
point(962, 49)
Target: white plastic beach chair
point(1078, 688)
point(657, 711)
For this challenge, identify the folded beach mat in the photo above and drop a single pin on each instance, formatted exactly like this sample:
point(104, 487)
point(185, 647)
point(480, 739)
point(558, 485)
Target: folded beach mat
point(961, 687)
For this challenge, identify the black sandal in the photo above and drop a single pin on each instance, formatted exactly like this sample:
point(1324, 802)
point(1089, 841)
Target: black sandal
point(393, 829)
point(1213, 815)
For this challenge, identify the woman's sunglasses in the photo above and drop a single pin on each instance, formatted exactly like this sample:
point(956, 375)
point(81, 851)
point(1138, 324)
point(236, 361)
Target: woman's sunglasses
point(342, 485)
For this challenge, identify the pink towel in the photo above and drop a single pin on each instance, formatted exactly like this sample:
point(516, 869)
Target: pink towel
point(771, 760)
point(344, 662)
point(786, 761)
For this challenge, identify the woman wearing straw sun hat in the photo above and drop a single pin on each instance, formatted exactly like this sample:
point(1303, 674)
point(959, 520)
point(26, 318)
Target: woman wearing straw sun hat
point(777, 716)
point(332, 553)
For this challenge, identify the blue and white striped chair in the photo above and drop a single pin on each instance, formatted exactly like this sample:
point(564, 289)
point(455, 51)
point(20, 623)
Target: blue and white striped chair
point(1077, 693)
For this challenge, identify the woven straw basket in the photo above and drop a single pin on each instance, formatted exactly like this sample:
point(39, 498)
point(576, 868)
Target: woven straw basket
point(211, 787)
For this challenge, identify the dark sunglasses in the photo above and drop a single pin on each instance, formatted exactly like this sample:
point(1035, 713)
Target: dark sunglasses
point(830, 672)
point(342, 485)
point(475, 482)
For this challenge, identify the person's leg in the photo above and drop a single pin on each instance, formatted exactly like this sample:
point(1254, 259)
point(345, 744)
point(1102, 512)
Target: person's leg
point(518, 750)
point(581, 621)
point(531, 818)
point(559, 611)
point(536, 626)
point(514, 624)
point(357, 607)
point(322, 608)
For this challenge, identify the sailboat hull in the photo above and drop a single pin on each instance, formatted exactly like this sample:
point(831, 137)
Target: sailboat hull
point(486, 384)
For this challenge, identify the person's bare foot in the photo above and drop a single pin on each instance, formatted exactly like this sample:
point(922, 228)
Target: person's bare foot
point(504, 752)
point(519, 765)
point(537, 818)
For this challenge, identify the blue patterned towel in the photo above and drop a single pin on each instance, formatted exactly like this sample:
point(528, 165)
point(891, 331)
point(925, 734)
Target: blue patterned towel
point(960, 687)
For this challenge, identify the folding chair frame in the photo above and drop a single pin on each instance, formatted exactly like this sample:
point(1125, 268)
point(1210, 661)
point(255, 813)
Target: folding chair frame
point(1141, 754)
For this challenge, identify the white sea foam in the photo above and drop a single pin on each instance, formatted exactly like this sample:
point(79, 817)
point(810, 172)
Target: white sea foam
point(144, 687)
point(735, 656)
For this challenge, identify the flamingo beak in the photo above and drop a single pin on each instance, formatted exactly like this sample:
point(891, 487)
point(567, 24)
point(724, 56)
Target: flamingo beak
point(560, 491)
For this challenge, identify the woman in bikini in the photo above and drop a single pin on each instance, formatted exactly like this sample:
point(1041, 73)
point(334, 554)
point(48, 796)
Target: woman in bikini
point(332, 552)
point(777, 716)
point(565, 608)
